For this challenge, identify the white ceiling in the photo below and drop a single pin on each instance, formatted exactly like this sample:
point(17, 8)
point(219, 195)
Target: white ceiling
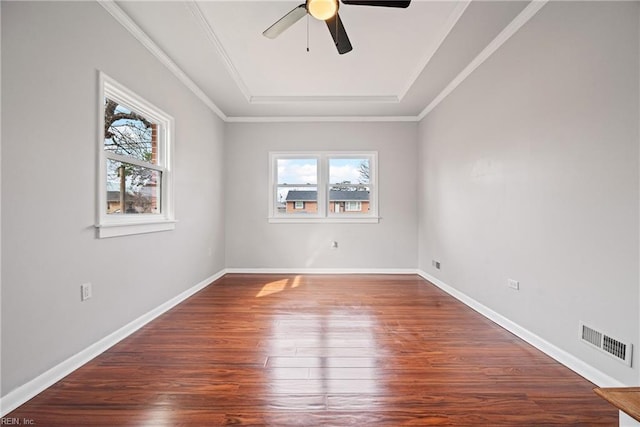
point(402, 62)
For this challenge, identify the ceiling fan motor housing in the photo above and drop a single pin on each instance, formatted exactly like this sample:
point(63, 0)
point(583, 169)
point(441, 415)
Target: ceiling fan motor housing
point(322, 9)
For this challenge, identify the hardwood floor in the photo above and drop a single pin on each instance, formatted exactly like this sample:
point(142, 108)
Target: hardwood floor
point(285, 350)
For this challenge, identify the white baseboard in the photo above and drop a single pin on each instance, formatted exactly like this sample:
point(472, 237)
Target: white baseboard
point(625, 420)
point(321, 271)
point(570, 361)
point(17, 397)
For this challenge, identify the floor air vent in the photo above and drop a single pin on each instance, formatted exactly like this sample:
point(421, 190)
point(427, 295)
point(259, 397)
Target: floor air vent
point(617, 349)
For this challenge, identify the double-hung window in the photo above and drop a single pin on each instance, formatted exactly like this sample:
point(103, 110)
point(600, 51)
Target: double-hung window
point(134, 173)
point(323, 187)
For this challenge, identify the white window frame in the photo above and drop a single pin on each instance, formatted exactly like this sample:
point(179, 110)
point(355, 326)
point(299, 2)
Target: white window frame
point(298, 204)
point(127, 224)
point(323, 186)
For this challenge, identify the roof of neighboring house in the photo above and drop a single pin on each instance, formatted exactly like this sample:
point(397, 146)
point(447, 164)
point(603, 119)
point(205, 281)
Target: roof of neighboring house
point(334, 195)
point(343, 196)
point(302, 196)
point(113, 196)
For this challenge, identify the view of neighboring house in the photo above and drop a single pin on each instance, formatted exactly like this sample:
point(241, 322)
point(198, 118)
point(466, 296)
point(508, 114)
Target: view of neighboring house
point(340, 201)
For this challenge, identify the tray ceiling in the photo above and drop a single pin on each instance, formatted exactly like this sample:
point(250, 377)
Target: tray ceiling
point(402, 59)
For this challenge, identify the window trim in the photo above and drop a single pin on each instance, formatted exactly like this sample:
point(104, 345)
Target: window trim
point(324, 214)
point(122, 225)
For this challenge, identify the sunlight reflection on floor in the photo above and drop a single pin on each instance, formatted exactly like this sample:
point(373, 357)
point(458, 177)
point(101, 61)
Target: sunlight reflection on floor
point(333, 353)
point(278, 286)
point(273, 288)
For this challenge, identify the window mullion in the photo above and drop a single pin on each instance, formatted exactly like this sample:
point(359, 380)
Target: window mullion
point(323, 178)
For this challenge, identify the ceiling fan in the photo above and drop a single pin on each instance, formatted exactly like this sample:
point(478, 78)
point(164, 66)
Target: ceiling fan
point(327, 10)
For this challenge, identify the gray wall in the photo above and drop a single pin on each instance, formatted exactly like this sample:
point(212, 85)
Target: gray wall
point(529, 171)
point(51, 54)
point(252, 242)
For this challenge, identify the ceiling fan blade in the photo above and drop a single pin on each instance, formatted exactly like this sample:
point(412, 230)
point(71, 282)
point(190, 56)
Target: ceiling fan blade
point(381, 3)
point(339, 34)
point(285, 22)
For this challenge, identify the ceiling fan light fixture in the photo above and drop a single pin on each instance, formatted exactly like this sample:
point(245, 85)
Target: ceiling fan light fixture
point(322, 9)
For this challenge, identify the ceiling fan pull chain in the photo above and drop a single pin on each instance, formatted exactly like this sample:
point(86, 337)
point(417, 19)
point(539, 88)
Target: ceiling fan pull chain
point(307, 32)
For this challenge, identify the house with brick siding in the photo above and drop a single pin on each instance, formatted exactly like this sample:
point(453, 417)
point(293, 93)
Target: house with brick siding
point(340, 201)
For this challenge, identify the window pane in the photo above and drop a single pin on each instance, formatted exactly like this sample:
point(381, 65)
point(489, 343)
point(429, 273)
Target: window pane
point(297, 200)
point(132, 189)
point(297, 171)
point(128, 133)
point(349, 199)
point(351, 206)
point(348, 171)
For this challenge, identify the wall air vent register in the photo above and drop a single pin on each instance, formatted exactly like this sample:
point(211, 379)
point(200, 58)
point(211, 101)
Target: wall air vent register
point(615, 348)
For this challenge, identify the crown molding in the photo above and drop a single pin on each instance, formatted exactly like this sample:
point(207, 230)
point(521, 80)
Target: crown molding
point(317, 119)
point(513, 27)
point(215, 41)
point(390, 99)
point(133, 28)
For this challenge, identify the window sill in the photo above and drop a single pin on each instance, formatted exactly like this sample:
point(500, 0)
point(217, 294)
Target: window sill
point(133, 227)
point(330, 220)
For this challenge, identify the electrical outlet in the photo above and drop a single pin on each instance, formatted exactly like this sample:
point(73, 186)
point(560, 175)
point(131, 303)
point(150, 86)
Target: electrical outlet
point(514, 284)
point(436, 264)
point(85, 291)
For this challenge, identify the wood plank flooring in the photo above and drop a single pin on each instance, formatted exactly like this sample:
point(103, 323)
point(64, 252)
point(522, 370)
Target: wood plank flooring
point(353, 350)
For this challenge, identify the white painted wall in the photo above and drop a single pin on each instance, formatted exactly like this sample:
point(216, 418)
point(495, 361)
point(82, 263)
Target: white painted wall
point(51, 54)
point(252, 242)
point(529, 170)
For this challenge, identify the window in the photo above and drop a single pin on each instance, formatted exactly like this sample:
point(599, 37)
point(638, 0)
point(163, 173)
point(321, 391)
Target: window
point(324, 187)
point(135, 164)
point(353, 206)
